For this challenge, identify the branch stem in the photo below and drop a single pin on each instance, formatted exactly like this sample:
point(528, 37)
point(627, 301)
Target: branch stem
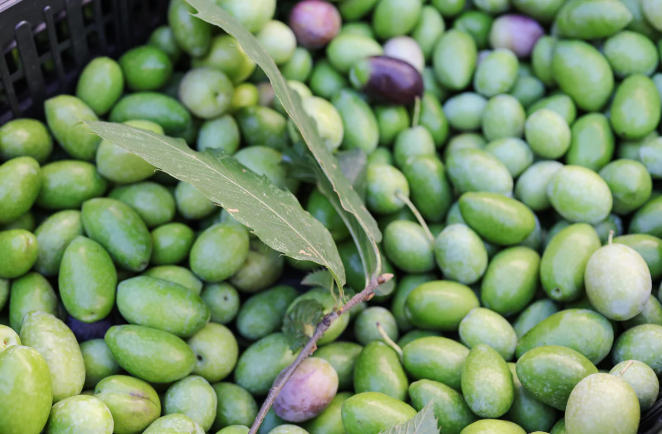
point(416, 213)
point(627, 366)
point(311, 346)
point(389, 341)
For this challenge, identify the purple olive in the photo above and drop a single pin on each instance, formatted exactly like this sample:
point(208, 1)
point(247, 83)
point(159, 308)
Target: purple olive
point(308, 392)
point(518, 33)
point(315, 23)
point(88, 331)
point(387, 80)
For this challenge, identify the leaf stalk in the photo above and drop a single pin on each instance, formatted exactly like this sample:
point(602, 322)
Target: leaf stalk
point(311, 346)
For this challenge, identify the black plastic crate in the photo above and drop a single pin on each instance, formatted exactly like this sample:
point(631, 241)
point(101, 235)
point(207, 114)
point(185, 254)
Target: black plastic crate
point(46, 43)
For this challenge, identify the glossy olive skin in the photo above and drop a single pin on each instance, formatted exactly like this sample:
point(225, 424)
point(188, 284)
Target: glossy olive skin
point(387, 80)
point(584, 331)
point(315, 23)
point(373, 412)
point(440, 305)
point(551, 372)
point(378, 369)
point(450, 409)
point(435, 358)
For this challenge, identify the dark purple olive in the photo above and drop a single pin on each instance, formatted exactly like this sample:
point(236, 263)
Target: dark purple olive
point(87, 331)
point(315, 23)
point(387, 80)
point(518, 33)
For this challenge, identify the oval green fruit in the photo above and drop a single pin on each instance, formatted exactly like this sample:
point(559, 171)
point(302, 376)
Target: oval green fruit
point(87, 280)
point(373, 412)
point(68, 183)
point(592, 144)
point(454, 59)
point(19, 250)
point(171, 359)
point(487, 383)
point(79, 411)
point(618, 282)
point(483, 326)
point(25, 402)
point(378, 369)
point(99, 362)
point(330, 420)
point(219, 252)
point(119, 165)
point(435, 358)
point(527, 411)
point(65, 115)
point(177, 423)
point(20, 182)
point(216, 352)
point(163, 305)
point(511, 280)
point(405, 286)
point(440, 305)
point(58, 346)
point(30, 293)
point(179, 275)
point(602, 403)
point(642, 343)
point(591, 204)
point(262, 314)
point(636, 108)
point(235, 406)
point(449, 407)
point(191, 33)
point(642, 379)
point(100, 84)
point(583, 73)
point(259, 365)
point(429, 187)
point(551, 372)
point(475, 170)
point(120, 230)
point(493, 426)
point(460, 254)
point(153, 202)
point(630, 184)
point(193, 397)
point(584, 331)
point(171, 243)
point(564, 261)
point(590, 19)
point(497, 218)
point(133, 403)
point(342, 356)
point(53, 237)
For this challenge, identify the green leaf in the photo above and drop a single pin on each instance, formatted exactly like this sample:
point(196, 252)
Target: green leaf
point(423, 423)
point(274, 215)
point(300, 323)
point(320, 278)
point(362, 225)
point(366, 244)
point(354, 164)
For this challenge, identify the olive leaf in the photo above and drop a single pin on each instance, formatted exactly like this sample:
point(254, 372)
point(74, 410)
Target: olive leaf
point(300, 323)
point(318, 278)
point(354, 164)
point(331, 180)
point(274, 215)
point(423, 423)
